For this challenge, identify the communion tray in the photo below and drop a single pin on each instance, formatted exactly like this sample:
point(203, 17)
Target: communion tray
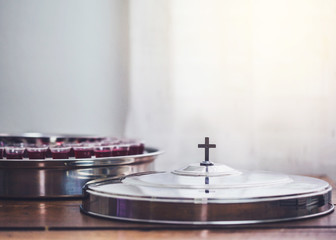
point(63, 178)
point(207, 193)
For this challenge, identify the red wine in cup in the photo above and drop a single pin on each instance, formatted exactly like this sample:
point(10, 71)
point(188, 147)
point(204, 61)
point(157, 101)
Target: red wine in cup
point(14, 155)
point(60, 155)
point(121, 151)
point(83, 153)
point(36, 155)
point(103, 153)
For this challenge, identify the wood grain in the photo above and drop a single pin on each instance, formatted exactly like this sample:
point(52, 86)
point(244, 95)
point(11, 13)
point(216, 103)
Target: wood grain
point(63, 215)
point(177, 234)
point(62, 219)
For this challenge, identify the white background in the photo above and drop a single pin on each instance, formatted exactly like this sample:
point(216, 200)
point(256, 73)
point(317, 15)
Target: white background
point(63, 66)
point(257, 77)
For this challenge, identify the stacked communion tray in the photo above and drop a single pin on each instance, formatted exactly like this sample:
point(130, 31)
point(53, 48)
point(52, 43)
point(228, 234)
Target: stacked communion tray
point(54, 166)
point(208, 193)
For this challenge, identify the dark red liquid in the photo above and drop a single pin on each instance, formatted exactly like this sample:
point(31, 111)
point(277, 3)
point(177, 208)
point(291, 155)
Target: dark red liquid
point(36, 155)
point(72, 153)
point(103, 153)
point(133, 150)
point(119, 152)
point(14, 155)
point(48, 153)
point(136, 149)
point(83, 153)
point(25, 153)
point(60, 155)
point(141, 148)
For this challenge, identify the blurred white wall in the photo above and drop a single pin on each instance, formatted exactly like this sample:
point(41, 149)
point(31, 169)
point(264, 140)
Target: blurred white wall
point(257, 77)
point(63, 66)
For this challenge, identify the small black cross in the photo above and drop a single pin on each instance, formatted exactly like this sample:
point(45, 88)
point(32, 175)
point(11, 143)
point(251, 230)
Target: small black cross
point(206, 146)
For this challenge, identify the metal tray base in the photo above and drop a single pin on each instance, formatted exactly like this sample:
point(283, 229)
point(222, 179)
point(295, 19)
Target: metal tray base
point(41, 179)
point(205, 214)
point(242, 222)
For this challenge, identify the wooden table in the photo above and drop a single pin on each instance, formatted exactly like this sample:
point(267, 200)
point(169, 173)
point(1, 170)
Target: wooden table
point(51, 219)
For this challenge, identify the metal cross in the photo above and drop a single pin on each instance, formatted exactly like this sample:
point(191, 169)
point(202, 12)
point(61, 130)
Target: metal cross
point(206, 146)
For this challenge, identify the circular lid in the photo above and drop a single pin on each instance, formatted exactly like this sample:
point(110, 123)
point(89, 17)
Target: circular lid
point(209, 184)
point(208, 193)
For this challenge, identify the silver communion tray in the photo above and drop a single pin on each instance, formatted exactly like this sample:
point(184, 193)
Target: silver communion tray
point(208, 194)
point(63, 178)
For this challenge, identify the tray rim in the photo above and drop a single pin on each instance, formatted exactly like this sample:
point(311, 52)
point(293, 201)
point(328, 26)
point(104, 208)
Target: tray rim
point(151, 152)
point(209, 223)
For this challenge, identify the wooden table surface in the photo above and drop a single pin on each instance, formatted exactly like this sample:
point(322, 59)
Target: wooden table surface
point(55, 219)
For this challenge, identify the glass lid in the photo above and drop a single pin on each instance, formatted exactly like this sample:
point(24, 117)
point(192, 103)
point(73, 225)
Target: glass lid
point(209, 183)
point(245, 186)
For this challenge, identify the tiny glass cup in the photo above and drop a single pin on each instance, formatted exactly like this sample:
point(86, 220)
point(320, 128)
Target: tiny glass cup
point(120, 150)
point(83, 150)
point(2, 149)
point(60, 151)
point(14, 152)
point(141, 148)
point(72, 151)
point(37, 151)
point(103, 150)
point(136, 147)
point(109, 141)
